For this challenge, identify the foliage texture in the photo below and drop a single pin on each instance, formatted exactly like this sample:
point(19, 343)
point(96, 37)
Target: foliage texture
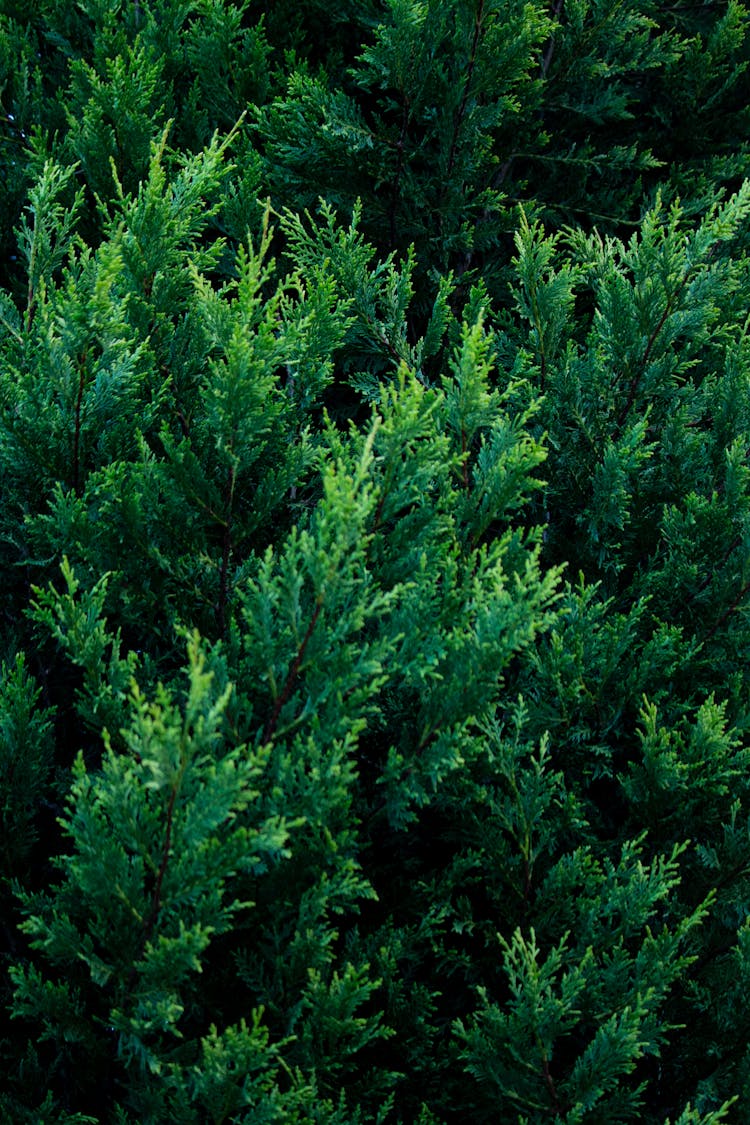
point(375, 551)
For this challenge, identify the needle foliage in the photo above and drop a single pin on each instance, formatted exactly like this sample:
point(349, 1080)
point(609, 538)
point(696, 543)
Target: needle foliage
point(375, 556)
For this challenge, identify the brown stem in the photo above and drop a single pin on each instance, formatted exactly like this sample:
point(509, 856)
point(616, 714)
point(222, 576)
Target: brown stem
point(226, 553)
point(496, 182)
point(549, 1083)
point(464, 463)
point(292, 674)
point(150, 920)
point(635, 381)
point(526, 885)
point(381, 504)
point(392, 351)
point(461, 113)
point(501, 175)
point(153, 914)
point(381, 337)
point(547, 58)
point(77, 431)
point(179, 413)
point(183, 421)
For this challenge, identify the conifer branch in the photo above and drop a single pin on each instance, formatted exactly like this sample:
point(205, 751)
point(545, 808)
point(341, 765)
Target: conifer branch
point(381, 501)
point(10, 329)
point(550, 50)
point(182, 420)
point(548, 1080)
point(461, 112)
point(77, 429)
point(540, 337)
point(707, 579)
point(292, 674)
point(656, 332)
point(526, 902)
point(396, 187)
point(221, 609)
point(30, 294)
point(150, 920)
point(728, 612)
point(153, 914)
point(486, 215)
point(654, 335)
point(464, 461)
point(380, 336)
point(392, 351)
point(712, 955)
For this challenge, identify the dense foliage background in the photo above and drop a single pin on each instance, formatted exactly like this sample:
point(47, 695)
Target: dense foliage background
point(375, 553)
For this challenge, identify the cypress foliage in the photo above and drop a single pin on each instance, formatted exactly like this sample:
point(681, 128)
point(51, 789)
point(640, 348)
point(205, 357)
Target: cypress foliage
point(375, 548)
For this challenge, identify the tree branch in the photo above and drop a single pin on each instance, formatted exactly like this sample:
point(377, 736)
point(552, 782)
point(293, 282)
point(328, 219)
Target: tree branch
point(547, 57)
point(548, 1081)
point(153, 914)
point(221, 609)
point(461, 112)
point(728, 612)
point(399, 171)
point(635, 381)
point(77, 430)
point(292, 674)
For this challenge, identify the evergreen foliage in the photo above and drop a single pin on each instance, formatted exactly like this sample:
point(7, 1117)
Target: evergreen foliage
point(375, 547)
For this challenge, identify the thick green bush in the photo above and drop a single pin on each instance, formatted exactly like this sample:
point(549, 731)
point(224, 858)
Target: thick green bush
point(375, 550)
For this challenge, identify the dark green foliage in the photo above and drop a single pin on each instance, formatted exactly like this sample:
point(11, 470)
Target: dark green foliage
point(26, 754)
point(375, 539)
